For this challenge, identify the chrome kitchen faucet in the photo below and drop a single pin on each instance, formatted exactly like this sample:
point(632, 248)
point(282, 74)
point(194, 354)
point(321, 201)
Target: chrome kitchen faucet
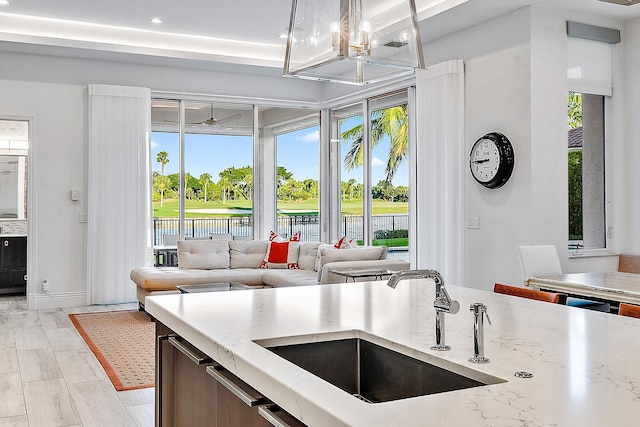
point(443, 302)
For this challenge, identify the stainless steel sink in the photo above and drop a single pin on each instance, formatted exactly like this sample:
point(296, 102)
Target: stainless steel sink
point(374, 373)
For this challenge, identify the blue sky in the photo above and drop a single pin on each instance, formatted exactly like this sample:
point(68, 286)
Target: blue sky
point(297, 151)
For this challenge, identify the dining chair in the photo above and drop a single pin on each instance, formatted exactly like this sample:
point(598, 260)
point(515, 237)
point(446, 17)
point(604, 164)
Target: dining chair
point(543, 260)
point(629, 263)
point(629, 310)
point(170, 239)
point(221, 236)
point(242, 237)
point(551, 297)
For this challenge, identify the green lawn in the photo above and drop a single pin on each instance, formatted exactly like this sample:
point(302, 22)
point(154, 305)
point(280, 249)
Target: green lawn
point(349, 207)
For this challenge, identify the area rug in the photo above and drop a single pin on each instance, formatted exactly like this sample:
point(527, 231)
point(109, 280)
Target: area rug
point(123, 342)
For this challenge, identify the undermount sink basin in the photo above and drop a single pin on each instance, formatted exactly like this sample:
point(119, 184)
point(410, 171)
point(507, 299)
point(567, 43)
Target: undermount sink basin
point(374, 373)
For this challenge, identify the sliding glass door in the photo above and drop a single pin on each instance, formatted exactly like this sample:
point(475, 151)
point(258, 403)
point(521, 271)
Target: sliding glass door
point(374, 171)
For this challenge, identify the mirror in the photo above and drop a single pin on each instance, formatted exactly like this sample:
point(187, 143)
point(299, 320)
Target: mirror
point(14, 142)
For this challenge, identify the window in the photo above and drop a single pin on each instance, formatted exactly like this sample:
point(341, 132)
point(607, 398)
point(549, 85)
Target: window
point(352, 194)
point(297, 173)
point(374, 190)
point(587, 220)
point(203, 186)
point(247, 169)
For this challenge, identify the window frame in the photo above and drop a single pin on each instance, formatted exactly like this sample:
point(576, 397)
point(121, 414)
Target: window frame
point(580, 252)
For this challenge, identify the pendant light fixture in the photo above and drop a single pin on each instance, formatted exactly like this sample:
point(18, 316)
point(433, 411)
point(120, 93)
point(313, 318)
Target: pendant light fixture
point(353, 41)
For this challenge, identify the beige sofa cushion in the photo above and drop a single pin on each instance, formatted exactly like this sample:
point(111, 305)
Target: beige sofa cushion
point(203, 254)
point(247, 253)
point(166, 278)
point(282, 278)
point(331, 254)
point(307, 256)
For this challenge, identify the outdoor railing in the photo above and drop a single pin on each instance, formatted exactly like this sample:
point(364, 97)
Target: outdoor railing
point(308, 225)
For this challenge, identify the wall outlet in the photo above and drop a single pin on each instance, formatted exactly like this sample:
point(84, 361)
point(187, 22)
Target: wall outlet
point(473, 222)
point(84, 218)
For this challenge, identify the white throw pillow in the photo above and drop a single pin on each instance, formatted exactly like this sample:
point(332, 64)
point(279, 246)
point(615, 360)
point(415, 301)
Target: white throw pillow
point(308, 255)
point(203, 254)
point(247, 253)
point(345, 243)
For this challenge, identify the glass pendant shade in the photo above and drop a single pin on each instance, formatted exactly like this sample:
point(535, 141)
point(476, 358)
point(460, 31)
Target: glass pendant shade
point(353, 41)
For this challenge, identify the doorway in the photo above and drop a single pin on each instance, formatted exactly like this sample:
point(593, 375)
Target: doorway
point(14, 176)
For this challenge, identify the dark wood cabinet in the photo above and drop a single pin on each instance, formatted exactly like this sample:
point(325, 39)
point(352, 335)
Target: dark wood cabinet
point(13, 264)
point(194, 390)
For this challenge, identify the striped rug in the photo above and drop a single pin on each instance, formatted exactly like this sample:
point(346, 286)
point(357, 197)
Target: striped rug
point(123, 342)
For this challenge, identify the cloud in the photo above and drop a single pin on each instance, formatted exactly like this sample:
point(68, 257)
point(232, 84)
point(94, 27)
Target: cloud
point(376, 162)
point(311, 136)
point(154, 145)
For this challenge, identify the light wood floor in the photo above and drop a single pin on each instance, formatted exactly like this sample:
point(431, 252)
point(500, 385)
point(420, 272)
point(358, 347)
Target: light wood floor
point(49, 377)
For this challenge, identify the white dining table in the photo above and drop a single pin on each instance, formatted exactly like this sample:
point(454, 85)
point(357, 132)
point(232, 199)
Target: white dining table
point(610, 286)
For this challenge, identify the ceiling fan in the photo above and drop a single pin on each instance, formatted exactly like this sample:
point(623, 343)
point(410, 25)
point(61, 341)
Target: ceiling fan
point(211, 121)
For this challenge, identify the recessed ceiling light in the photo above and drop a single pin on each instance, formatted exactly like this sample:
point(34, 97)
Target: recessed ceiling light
point(154, 20)
point(4, 2)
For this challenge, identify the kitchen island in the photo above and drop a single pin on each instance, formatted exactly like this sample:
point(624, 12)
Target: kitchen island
point(584, 364)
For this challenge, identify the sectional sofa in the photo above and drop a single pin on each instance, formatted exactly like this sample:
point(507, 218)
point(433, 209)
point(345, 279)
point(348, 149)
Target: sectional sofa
point(260, 263)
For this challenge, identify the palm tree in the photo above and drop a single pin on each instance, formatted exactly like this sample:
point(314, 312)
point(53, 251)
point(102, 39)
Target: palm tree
point(574, 101)
point(161, 183)
point(350, 185)
point(224, 184)
point(163, 159)
point(205, 179)
point(188, 191)
point(390, 122)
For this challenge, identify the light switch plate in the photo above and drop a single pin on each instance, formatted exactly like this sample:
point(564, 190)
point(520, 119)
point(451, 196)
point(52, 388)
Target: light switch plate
point(473, 222)
point(75, 195)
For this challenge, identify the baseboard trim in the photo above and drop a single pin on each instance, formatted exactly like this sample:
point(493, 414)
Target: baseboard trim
point(61, 300)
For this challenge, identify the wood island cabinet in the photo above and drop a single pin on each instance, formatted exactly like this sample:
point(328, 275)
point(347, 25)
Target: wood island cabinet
point(194, 390)
point(13, 264)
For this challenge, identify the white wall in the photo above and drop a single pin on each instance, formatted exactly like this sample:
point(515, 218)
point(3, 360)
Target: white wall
point(56, 164)
point(630, 181)
point(516, 84)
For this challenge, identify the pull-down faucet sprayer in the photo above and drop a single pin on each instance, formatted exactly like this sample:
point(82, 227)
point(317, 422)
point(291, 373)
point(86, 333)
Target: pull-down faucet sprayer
point(443, 302)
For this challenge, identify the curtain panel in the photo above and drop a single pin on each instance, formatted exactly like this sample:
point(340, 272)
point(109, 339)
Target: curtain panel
point(440, 187)
point(119, 196)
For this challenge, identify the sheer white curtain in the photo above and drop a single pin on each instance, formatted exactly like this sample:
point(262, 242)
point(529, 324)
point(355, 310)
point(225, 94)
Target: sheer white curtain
point(119, 196)
point(439, 185)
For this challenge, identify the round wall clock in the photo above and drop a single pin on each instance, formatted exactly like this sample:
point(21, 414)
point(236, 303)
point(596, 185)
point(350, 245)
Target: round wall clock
point(491, 160)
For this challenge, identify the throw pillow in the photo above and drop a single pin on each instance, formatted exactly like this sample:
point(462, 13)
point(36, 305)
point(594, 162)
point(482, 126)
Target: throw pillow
point(203, 254)
point(346, 244)
point(275, 236)
point(282, 253)
point(247, 253)
point(308, 255)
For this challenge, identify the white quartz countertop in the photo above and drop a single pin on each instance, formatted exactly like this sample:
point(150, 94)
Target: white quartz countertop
point(586, 365)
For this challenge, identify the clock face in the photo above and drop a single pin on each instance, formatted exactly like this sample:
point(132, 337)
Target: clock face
point(491, 160)
point(485, 160)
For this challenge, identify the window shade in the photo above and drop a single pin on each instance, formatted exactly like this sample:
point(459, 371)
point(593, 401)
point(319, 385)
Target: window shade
point(589, 66)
